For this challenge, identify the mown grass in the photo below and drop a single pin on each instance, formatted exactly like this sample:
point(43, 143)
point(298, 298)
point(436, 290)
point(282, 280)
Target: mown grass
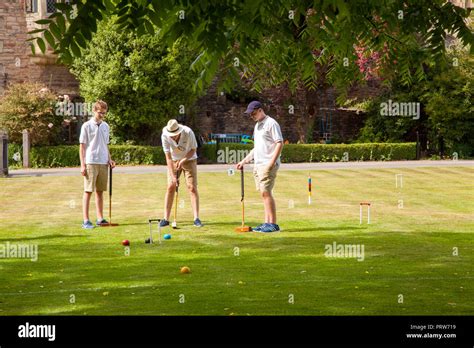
point(408, 251)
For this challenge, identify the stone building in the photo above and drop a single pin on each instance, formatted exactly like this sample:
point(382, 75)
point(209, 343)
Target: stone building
point(304, 116)
point(17, 64)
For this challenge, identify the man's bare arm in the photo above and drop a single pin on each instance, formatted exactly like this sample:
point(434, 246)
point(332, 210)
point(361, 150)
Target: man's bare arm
point(82, 156)
point(276, 154)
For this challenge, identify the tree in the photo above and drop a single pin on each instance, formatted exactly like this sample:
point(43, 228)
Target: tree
point(144, 82)
point(269, 42)
point(449, 104)
point(32, 107)
point(447, 111)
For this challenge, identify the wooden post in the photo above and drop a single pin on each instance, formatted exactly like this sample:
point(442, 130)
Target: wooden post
point(26, 149)
point(3, 153)
point(417, 145)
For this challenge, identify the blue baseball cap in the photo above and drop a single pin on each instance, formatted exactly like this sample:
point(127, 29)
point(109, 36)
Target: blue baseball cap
point(254, 105)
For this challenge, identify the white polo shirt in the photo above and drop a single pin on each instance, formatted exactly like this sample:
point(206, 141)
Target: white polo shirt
point(266, 135)
point(187, 141)
point(96, 138)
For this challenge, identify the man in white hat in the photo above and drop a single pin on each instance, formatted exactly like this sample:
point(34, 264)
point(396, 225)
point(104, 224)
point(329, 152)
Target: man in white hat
point(180, 145)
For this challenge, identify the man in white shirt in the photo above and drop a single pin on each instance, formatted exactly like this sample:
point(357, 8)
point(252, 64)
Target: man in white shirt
point(95, 159)
point(268, 143)
point(180, 145)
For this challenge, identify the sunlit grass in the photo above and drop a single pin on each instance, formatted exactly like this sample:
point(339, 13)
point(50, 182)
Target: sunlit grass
point(408, 251)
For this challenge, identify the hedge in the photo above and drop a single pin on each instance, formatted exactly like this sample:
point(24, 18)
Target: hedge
point(68, 155)
point(293, 153)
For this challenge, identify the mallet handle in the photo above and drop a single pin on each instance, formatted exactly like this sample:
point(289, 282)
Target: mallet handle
point(242, 184)
point(110, 194)
point(110, 180)
point(178, 173)
point(242, 194)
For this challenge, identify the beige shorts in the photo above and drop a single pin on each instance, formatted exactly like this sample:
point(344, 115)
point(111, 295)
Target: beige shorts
point(190, 172)
point(265, 179)
point(96, 177)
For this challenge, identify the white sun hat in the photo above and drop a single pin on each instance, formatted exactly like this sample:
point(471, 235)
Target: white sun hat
point(172, 128)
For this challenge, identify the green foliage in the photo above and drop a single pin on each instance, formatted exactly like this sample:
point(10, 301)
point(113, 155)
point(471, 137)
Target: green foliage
point(30, 106)
point(378, 128)
point(68, 155)
point(143, 81)
point(293, 153)
point(355, 152)
point(290, 40)
point(55, 156)
point(133, 155)
point(447, 111)
point(449, 103)
point(12, 150)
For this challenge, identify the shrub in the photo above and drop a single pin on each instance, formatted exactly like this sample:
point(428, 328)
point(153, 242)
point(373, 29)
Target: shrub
point(68, 155)
point(355, 152)
point(30, 106)
point(143, 80)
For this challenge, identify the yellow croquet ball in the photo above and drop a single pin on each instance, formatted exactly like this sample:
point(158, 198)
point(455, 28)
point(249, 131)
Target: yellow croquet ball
point(185, 269)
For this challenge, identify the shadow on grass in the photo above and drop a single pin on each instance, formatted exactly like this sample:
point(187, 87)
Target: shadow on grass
point(52, 236)
point(214, 223)
point(136, 224)
point(322, 229)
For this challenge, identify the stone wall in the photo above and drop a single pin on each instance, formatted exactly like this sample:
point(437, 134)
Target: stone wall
point(305, 116)
point(17, 64)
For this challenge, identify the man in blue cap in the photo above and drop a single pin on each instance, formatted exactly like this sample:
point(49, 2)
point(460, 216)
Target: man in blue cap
point(268, 143)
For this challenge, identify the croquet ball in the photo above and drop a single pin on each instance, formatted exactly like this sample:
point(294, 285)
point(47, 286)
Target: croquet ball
point(167, 236)
point(185, 270)
point(125, 242)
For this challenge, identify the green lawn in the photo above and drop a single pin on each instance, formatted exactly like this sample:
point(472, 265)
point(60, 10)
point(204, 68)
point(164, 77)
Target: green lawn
point(408, 251)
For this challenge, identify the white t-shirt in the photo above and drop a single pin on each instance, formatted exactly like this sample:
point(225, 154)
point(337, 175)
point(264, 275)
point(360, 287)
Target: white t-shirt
point(187, 141)
point(96, 138)
point(266, 135)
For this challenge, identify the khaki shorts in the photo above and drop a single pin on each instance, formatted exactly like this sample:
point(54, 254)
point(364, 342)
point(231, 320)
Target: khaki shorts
point(96, 177)
point(190, 172)
point(265, 179)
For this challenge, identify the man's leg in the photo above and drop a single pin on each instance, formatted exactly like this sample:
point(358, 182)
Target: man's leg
point(269, 206)
point(169, 197)
point(193, 192)
point(99, 204)
point(190, 172)
point(86, 199)
point(88, 189)
point(266, 181)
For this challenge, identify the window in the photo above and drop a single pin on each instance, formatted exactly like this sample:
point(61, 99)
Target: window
point(31, 6)
point(50, 6)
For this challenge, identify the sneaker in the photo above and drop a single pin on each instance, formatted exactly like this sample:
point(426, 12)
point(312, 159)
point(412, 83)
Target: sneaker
point(259, 227)
point(87, 225)
point(197, 223)
point(270, 228)
point(164, 223)
point(100, 222)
